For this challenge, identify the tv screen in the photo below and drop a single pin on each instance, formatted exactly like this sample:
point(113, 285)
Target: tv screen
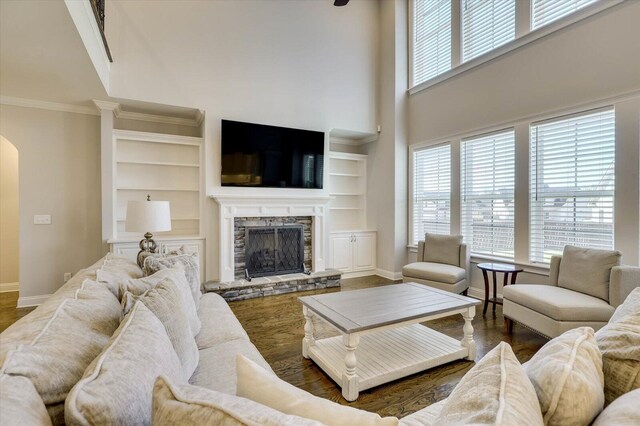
point(269, 156)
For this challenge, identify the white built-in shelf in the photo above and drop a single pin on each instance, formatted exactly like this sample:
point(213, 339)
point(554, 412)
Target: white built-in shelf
point(345, 193)
point(159, 163)
point(169, 168)
point(348, 188)
point(344, 208)
point(345, 174)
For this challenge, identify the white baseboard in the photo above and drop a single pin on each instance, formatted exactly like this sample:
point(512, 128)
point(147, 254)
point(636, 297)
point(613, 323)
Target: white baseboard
point(6, 287)
point(389, 274)
point(347, 275)
point(28, 301)
point(478, 293)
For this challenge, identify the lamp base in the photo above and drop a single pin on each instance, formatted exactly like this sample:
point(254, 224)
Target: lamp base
point(147, 245)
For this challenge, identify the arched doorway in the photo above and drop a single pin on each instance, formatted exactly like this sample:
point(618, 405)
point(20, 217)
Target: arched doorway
point(9, 218)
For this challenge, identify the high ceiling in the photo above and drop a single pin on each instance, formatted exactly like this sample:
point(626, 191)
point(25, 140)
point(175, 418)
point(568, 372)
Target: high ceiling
point(42, 56)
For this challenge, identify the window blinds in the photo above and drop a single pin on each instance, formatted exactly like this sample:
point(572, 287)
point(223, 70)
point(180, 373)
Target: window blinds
point(572, 183)
point(431, 39)
point(431, 191)
point(487, 181)
point(486, 24)
point(544, 12)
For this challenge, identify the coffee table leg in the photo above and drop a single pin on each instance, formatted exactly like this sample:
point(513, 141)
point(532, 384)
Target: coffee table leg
point(467, 340)
point(486, 291)
point(309, 339)
point(350, 386)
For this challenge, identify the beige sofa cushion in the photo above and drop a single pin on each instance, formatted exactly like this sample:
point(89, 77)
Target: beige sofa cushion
point(60, 340)
point(262, 386)
point(219, 324)
point(587, 270)
point(559, 303)
point(624, 411)
point(434, 272)
point(217, 367)
point(442, 248)
point(425, 417)
point(140, 285)
point(116, 268)
point(192, 405)
point(20, 403)
point(619, 342)
point(496, 391)
point(117, 387)
point(567, 376)
point(166, 303)
point(191, 265)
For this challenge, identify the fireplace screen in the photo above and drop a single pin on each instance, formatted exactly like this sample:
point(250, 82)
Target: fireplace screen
point(274, 250)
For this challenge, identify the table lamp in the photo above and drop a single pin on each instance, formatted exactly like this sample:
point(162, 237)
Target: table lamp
point(148, 216)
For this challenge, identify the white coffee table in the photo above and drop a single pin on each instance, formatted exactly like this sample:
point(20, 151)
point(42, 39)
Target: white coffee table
point(381, 338)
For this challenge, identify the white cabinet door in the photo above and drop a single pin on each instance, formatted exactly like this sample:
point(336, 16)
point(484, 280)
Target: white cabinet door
point(341, 251)
point(364, 251)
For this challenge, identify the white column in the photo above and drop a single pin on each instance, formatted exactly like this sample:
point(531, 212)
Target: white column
point(107, 167)
point(521, 210)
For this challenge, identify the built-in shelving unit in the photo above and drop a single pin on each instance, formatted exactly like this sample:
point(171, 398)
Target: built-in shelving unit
point(348, 189)
point(166, 167)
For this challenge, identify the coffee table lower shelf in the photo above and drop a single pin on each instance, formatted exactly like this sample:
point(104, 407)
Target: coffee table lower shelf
point(386, 355)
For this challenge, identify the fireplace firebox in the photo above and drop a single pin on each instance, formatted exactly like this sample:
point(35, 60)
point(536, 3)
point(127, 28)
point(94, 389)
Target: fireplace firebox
point(274, 250)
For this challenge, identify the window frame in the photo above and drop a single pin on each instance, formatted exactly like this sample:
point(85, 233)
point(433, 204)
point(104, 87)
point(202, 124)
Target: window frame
point(524, 36)
point(413, 149)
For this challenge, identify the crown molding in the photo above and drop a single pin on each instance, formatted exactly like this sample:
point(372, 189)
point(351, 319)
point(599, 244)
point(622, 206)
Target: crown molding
point(107, 105)
point(154, 118)
point(52, 106)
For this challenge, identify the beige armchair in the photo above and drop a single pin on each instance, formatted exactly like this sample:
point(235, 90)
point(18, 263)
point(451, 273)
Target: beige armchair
point(442, 262)
point(585, 286)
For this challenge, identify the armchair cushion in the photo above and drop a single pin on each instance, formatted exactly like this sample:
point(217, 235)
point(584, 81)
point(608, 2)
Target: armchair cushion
point(439, 272)
point(559, 303)
point(587, 270)
point(442, 248)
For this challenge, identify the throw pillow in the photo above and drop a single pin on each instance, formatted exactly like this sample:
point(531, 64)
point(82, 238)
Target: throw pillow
point(192, 405)
point(496, 391)
point(117, 387)
point(20, 403)
point(442, 248)
point(567, 376)
point(166, 303)
point(191, 266)
point(619, 343)
point(138, 286)
point(587, 270)
point(259, 385)
point(624, 411)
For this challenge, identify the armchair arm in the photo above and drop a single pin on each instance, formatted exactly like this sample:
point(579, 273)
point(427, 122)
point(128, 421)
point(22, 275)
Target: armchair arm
point(554, 270)
point(420, 255)
point(465, 259)
point(623, 280)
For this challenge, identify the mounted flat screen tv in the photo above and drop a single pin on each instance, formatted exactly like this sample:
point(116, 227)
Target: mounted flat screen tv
point(268, 156)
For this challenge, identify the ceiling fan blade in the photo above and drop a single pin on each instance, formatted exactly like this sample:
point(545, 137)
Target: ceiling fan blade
point(340, 2)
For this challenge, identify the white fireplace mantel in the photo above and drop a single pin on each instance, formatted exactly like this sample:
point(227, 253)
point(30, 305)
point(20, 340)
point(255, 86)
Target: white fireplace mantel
point(232, 206)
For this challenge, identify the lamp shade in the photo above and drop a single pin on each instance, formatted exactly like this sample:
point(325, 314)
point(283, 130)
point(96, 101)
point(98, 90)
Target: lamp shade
point(148, 216)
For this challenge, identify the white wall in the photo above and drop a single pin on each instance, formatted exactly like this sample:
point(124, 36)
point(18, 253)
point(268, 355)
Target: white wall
point(581, 66)
point(59, 175)
point(303, 64)
point(9, 210)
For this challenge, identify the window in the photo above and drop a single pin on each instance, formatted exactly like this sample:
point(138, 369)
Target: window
point(431, 38)
point(544, 12)
point(431, 191)
point(572, 183)
point(487, 181)
point(486, 24)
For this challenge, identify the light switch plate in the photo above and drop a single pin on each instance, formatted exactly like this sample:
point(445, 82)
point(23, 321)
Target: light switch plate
point(42, 219)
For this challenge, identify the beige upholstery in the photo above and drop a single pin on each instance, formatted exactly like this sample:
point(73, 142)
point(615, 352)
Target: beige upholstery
point(425, 417)
point(553, 309)
point(451, 276)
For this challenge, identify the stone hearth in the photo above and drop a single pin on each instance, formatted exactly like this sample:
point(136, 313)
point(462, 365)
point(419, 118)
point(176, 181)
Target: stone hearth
point(268, 286)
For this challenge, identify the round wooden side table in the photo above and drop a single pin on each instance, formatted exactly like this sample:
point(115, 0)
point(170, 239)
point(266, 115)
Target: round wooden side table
point(495, 268)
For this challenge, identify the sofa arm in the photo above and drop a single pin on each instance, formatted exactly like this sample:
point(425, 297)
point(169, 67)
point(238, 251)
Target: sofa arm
point(554, 270)
point(420, 255)
point(465, 259)
point(623, 280)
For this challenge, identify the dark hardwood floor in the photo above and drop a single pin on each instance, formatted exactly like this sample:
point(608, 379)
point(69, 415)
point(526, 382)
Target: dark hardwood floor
point(275, 325)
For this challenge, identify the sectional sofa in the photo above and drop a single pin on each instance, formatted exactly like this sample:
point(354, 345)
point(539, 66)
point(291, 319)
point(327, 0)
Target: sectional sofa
point(79, 338)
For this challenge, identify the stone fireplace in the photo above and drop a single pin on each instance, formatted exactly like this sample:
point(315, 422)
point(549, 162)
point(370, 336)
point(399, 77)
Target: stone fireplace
point(265, 246)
